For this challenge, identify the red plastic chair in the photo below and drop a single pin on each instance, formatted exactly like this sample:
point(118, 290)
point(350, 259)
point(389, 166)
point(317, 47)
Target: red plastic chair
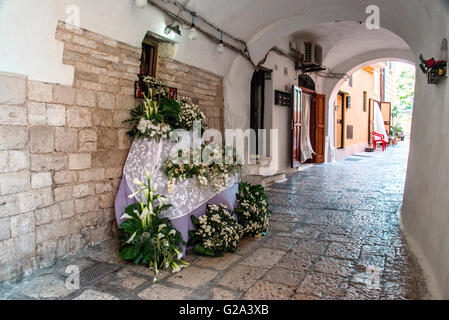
point(377, 138)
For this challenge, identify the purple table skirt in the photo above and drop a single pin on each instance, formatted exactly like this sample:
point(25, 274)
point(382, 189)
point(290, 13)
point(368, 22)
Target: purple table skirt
point(182, 224)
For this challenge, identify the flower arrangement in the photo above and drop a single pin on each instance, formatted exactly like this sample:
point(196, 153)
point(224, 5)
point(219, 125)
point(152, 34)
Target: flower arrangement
point(217, 232)
point(159, 115)
point(189, 114)
point(148, 239)
point(252, 213)
point(208, 165)
point(154, 118)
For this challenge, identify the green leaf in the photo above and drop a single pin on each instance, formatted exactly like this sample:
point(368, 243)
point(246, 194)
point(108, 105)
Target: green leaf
point(194, 220)
point(129, 252)
point(199, 248)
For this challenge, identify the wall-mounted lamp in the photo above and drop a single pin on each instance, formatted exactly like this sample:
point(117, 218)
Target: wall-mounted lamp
point(220, 47)
point(172, 28)
point(193, 33)
point(142, 4)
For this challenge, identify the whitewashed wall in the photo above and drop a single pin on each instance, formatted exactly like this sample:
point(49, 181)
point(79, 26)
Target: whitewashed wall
point(28, 45)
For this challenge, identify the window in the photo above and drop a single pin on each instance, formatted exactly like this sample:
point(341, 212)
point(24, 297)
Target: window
point(350, 81)
point(349, 132)
point(365, 101)
point(148, 60)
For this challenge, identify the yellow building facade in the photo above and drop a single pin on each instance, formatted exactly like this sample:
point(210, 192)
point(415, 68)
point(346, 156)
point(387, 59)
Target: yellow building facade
point(351, 118)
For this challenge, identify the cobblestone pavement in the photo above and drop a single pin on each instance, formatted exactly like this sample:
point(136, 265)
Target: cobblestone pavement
point(335, 234)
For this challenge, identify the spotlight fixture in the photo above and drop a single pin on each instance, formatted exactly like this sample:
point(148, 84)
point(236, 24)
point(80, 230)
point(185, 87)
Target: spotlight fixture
point(426, 65)
point(220, 47)
point(142, 4)
point(172, 28)
point(193, 33)
point(434, 70)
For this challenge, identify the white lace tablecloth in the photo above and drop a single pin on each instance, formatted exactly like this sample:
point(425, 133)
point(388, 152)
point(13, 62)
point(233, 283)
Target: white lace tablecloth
point(148, 154)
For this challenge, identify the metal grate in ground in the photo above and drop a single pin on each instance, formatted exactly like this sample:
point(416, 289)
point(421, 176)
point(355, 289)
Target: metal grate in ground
point(96, 272)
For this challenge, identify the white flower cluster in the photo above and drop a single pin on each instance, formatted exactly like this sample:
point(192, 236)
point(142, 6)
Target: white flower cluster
point(218, 230)
point(159, 130)
point(253, 210)
point(189, 113)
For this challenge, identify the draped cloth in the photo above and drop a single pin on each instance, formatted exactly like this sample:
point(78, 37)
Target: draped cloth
point(307, 151)
point(379, 124)
point(188, 197)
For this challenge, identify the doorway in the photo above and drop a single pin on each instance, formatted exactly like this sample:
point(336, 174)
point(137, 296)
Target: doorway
point(257, 116)
point(340, 120)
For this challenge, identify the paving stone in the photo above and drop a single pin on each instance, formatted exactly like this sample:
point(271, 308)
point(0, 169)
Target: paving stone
point(221, 263)
point(45, 287)
point(222, 294)
point(280, 243)
point(241, 277)
point(264, 290)
point(343, 250)
point(285, 276)
point(324, 286)
point(264, 258)
point(192, 277)
point(310, 246)
point(334, 266)
point(297, 261)
point(121, 282)
point(303, 297)
point(95, 295)
point(142, 270)
point(161, 292)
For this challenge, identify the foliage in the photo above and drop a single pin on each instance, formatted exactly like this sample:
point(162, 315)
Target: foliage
point(158, 115)
point(148, 239)
point(252, 212)
point(217, 232)
point(405, 90)
point(153, 118)
point(212, 165)
point(189, 114)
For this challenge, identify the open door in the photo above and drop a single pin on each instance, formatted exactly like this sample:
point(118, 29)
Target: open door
point(320, 121)
point(339, 121)
point(371, 121)
point(385, 107)
point(296, 126)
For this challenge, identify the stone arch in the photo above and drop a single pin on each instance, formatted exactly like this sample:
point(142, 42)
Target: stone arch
point(332, 86)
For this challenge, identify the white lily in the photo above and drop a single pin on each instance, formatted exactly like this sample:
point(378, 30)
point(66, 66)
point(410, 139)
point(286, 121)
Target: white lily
point(132, 238)
point(137, 181)
point(126, 216)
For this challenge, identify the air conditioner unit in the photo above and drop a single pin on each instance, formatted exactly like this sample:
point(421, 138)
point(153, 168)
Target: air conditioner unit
point(313, 54)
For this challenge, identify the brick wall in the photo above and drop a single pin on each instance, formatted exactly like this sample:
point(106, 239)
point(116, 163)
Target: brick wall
point(204, 88)
point(62, 148)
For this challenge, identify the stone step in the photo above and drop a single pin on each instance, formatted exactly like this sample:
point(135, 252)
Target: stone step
point(265, 179)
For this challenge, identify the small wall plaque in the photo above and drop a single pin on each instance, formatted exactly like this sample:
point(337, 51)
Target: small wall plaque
point(141, 87)
point(282, 98)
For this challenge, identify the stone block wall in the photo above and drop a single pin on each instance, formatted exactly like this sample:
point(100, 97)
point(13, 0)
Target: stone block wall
point(204, 88)
point(62, 148)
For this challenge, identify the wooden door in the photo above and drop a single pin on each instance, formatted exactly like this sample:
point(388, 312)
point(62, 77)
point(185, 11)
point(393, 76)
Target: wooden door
point(370, 120)
point(296, 126)
point(385, 107)
point(257, 107)
point(339, 122)
point(320, 121)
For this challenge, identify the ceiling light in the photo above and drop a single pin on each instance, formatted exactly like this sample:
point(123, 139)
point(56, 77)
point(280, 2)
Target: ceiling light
point(220, 47)
point(141, 3)
point(193, 33)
